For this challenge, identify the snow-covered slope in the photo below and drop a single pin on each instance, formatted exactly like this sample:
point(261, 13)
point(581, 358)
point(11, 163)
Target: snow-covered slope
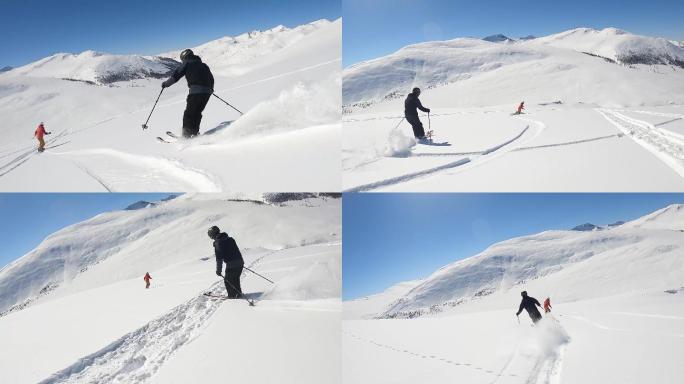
point(286, 82)
point(98, 67)
point(642, 254)
point(552, 58)
point(99, 324)
point(615, 293)
point(593, 119)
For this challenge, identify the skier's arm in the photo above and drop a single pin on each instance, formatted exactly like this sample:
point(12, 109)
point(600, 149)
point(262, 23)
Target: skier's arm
point(420, 106)
point(219, 265)
point(519, 309)
point(175, 76)
point(536, 302)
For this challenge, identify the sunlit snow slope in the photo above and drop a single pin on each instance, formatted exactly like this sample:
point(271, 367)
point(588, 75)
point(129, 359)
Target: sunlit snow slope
point(96, 322)
point(618, 312)
point(603, 112)
point(286, 81)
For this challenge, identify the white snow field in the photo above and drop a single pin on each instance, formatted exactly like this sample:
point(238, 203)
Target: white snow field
point(618, 312)
point(286, 81)
point(604, 112)
point(75, 309)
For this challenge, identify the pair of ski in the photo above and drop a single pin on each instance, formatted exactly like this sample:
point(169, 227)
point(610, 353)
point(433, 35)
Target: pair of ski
point(173, 138)
point(251, 302)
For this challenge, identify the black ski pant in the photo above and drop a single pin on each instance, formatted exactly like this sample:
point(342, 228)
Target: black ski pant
point(193, 113)
point(417, 126)
point(232, 280)
point(535, 315)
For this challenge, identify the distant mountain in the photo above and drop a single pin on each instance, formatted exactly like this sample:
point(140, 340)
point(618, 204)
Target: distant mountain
point(528, 37)
point(498, 38)
point(5, 69)
point(140, 205)
point(553, 58)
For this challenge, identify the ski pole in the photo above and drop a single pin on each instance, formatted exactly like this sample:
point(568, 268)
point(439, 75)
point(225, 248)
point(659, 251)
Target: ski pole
point(144, 126)
point(227, 103)
point(400, 121)
point(259, 275)
point(242, 295)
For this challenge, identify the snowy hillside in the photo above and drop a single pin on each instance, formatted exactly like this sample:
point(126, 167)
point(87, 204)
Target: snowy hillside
point(569, 261)
point(102, 319)
point(614, 292)
point(605, 101)
point(95, 104)
point(100, 68)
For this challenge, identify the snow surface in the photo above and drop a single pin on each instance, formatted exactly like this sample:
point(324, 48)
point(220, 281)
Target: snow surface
point(590, 120)
point(99, 323)
point(618, 312)
point(289, 135)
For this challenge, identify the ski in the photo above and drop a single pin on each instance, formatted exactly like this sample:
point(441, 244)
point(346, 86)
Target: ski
point(162, 140)
point(223, 297)
point(173, 135)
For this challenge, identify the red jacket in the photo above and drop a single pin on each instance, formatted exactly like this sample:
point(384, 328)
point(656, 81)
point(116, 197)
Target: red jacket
point(547, 303)
point(147, 277)
point(40, 131)
point(521, 106)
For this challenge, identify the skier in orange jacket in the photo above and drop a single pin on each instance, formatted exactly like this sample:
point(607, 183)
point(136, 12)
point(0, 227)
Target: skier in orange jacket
point(147, 279)
point(547, 305)
point(40, 132)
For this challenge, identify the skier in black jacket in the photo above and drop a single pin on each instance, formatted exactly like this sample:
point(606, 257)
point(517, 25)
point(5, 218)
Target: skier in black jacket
point(201, 84)
point(411, 106)
point(530, 304)
point(227, 251)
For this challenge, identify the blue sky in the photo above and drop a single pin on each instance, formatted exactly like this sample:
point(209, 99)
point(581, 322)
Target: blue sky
point(373, 28)
point(33, 29)
point(389, 238)
point(28, 218)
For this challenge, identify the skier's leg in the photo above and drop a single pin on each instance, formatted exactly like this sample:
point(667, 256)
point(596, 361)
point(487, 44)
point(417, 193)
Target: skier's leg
point(41, 144)
point(417, 126)
point(226, 281)
point(202, 100)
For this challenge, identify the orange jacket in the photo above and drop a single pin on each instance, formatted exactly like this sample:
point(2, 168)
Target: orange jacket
point(547, 303)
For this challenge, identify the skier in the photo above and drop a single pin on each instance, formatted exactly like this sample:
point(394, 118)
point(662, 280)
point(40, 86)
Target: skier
point(530, 304)
point(547, 305)
point(147, 279)
point(411, 106)
point(226, 250)
point(201, 84)
point(40, 132)
point(520, 108)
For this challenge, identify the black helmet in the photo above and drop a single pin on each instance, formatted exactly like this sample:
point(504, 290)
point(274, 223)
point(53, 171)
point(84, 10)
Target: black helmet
point(523, 293)
point(213, 232)
point(185, 54)
point(416, 91)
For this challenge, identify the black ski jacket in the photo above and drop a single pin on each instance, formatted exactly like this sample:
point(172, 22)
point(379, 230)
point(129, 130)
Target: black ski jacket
point(227, 251)
point(530, 305)
point(412, 105)
point(198, 75)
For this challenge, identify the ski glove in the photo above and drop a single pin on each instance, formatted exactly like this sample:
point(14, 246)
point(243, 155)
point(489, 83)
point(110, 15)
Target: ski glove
point(166, 84)
point(218, 273)
point(428, 110)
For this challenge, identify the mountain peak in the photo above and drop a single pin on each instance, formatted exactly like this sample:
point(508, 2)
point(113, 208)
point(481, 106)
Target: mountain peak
point(498, 38)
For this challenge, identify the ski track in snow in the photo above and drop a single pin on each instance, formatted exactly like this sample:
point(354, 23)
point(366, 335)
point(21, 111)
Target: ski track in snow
point(138, 355)
point(433, 357)
point(186, 178)
point(483, 156)
point(25, 154)
point(667, 146)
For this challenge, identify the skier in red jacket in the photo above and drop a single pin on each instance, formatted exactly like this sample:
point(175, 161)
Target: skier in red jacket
point(547, 305)
point(147, 279)
point(520, 108)
point(40, 132)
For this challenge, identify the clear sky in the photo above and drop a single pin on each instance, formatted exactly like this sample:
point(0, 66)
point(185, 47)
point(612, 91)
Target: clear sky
point(33, 29)
point(395, 237)
point(28, 218)
point(374, 28)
